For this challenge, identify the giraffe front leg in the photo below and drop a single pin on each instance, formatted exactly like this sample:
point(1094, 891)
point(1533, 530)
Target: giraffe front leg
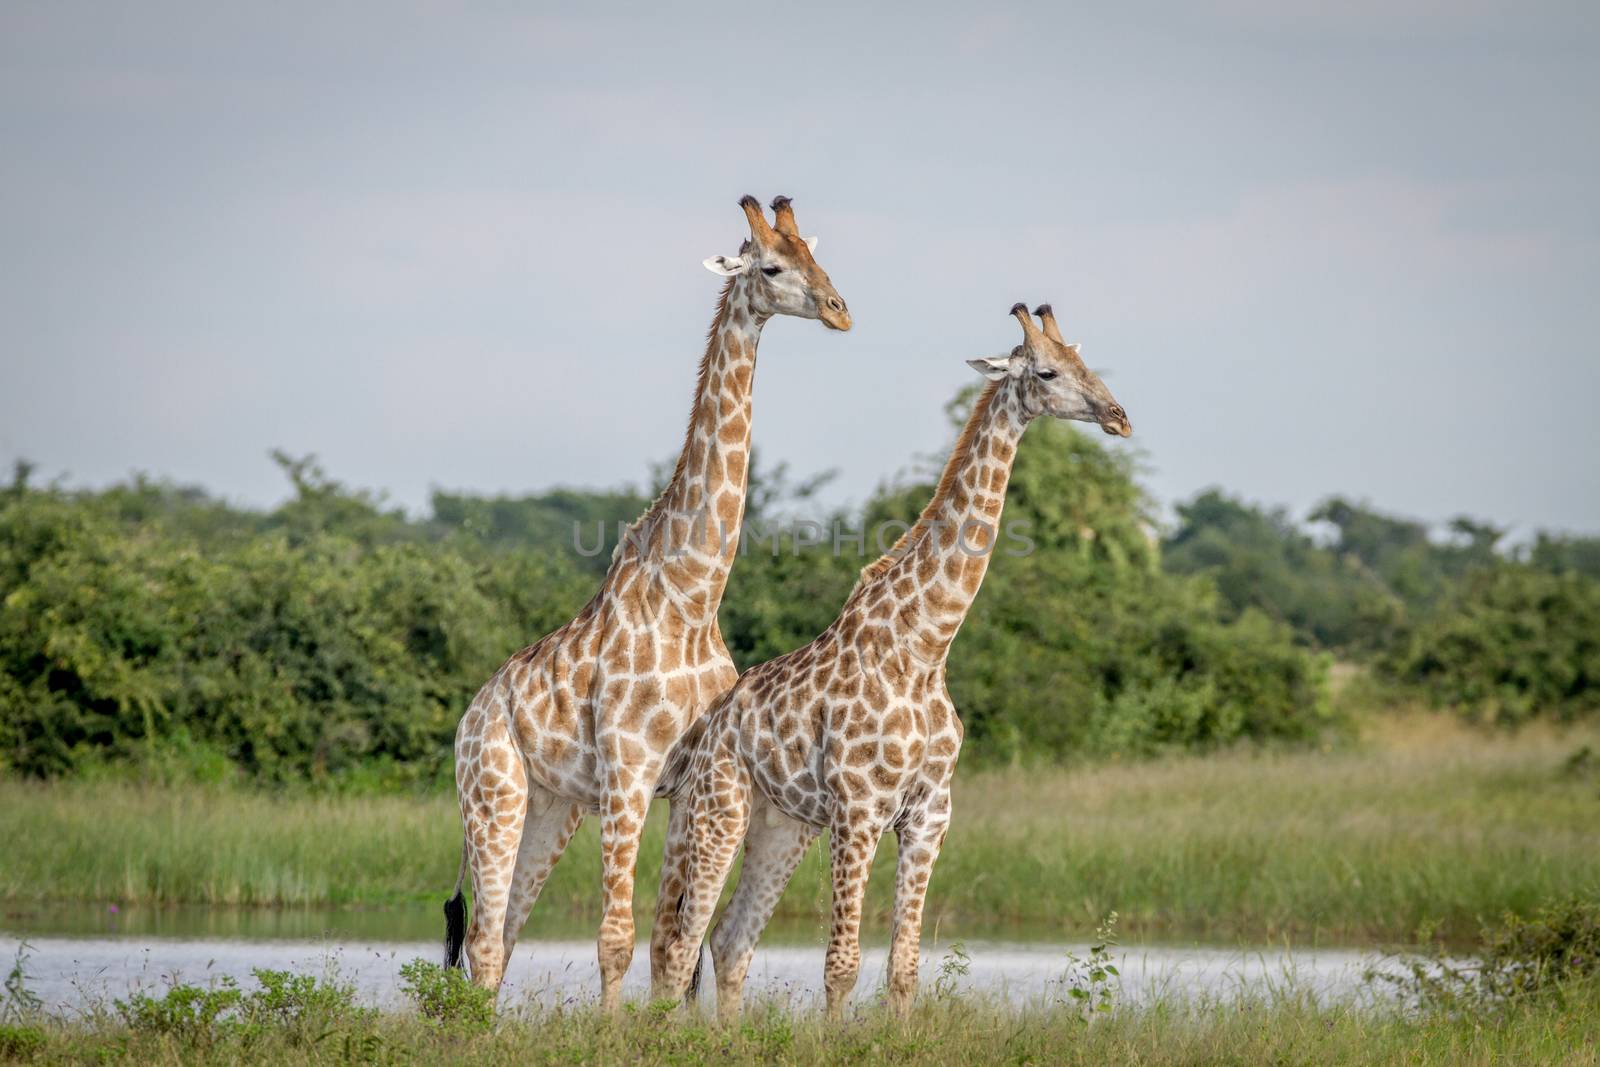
point(920, 840)
point(626, 805)
point(854, 840)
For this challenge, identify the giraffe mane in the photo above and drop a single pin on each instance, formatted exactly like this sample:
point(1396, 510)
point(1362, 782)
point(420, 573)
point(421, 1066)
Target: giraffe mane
point(694, 411)
point(700, 379)
point(947, 479)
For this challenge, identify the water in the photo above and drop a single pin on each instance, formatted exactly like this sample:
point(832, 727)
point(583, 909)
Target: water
point(98, 957)
point(200, 923)
point(397, 924)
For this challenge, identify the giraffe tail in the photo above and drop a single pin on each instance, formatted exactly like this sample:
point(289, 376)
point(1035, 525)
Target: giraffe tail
point(692, 994)
point(455, 916)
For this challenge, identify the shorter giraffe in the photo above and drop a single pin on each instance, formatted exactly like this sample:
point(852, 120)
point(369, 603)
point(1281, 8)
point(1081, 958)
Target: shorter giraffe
point(855, 733)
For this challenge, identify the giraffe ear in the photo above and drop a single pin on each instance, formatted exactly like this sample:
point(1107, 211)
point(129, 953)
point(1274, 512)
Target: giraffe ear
point(727, 266)
point(992, 367)
point(811, 243)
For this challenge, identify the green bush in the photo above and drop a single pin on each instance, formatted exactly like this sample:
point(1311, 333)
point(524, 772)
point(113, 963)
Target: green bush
point(1511, 642)
point(1261, 560)
point(186, 1011)
point(1057, 661)
point(20, 1042)
point(305, 655)
point(297, 1004)
point(334, 640)
point(1084, 646)
point(1550, 954)
point(444, 995)
point(286, 999)
point(1558, 944)
point(1566, 554)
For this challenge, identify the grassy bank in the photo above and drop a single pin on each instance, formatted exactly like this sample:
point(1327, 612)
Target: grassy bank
point(1421, 825)
point(1528, 993)
point(1281, 1031)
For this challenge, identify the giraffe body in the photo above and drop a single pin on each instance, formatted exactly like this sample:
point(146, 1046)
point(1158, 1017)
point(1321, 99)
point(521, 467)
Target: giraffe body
point(855, 733)
point(582, 721)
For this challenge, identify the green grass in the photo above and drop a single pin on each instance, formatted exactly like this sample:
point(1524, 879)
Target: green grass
point(1282, 1030)
point(1422, 825)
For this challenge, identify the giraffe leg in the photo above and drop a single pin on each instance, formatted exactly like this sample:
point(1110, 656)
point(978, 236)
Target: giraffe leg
point(550, 824)
point(721, 814)
point(626, 805)
point(920, 840)
point(854, 839)
point(493, 810)
point(674, 882)
point(774, 844)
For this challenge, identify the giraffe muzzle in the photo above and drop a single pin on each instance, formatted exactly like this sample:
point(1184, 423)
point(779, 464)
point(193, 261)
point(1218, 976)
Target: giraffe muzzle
point(1117, 425)
point(834, 314)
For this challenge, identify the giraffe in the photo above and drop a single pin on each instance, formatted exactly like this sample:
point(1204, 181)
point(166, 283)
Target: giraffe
point(582, 721)
point(855, 733)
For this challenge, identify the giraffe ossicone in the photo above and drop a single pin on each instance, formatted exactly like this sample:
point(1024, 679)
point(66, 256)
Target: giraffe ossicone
point(855, 733)
point(582, 721)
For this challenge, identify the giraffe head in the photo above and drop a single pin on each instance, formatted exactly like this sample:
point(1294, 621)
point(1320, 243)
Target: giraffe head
point(781, 277)
point(1050, 378)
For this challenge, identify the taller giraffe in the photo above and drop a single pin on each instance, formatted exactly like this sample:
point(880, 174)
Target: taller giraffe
point(855, 733)
point(582, 721)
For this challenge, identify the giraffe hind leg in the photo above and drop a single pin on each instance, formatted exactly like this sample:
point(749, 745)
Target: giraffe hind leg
point(774, 845)
point(717, 835)
point(494, 807)
point(673, 890)
point(551, 822)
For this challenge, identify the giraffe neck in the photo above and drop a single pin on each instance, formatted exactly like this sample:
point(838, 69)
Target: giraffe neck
point(691, 533)
point(932, 576)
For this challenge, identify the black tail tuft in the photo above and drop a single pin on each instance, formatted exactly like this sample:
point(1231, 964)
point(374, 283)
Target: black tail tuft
point(693, 994)
point(455, 929)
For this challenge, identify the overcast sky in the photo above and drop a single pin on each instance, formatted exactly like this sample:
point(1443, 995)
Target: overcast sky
point(1346, 247)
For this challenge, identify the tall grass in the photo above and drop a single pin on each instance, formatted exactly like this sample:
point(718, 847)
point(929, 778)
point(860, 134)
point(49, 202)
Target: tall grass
point(1270, 1030)
point(1424, 826)
point(1425, 823)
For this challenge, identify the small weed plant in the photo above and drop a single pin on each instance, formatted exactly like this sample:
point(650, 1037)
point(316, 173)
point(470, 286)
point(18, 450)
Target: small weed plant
point(955, 966)
point(19, 1003)
point(1092, 983)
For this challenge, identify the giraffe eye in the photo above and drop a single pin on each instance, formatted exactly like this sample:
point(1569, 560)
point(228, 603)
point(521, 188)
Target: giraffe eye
point(772, 272)
point(1046, 374)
